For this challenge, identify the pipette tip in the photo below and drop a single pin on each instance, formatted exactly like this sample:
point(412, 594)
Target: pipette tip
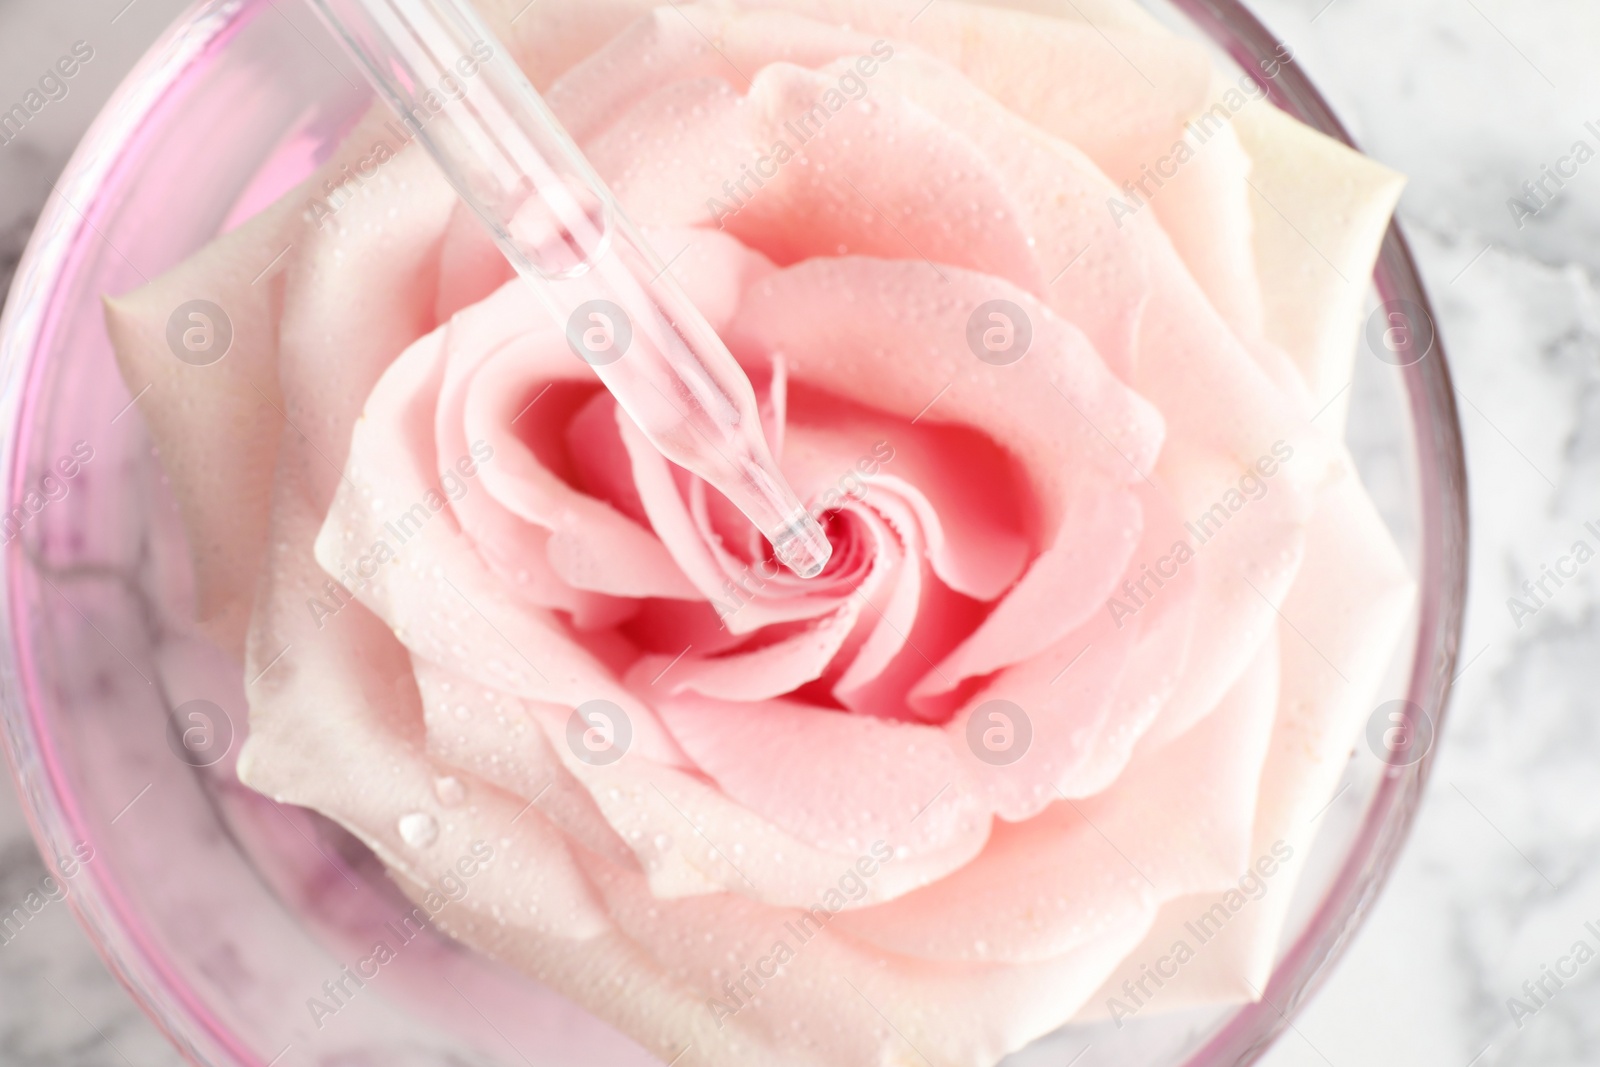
point(801, 545)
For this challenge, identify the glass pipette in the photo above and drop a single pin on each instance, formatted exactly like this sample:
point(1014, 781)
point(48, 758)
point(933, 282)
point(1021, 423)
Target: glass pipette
point(462, 94)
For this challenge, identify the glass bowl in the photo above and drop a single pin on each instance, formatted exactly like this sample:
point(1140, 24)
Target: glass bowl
point(224, 913)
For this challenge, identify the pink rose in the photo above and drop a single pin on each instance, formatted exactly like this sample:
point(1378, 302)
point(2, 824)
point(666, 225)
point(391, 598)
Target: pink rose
point(1106, 607)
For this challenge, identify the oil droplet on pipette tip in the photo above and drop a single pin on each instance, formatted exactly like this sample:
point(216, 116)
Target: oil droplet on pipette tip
point(802, 546)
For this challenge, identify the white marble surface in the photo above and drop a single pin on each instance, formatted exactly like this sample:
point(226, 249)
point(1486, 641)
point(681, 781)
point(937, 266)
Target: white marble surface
point(1470, 98)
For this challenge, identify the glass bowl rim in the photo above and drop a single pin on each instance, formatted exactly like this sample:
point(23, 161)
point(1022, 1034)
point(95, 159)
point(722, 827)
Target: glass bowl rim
point(66, 227)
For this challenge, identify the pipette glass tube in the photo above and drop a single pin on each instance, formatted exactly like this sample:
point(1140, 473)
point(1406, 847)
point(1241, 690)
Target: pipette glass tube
point(461, 93)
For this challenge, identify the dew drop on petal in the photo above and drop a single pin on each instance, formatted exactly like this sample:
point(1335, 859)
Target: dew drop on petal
point(419, 829)
point(449, 790)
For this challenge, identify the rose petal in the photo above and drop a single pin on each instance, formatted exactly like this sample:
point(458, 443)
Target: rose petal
point(1092, 696)
point(337, 681)
point(196, 413)
point(1022, 406)
point(958, 1013)
point(691, 42)
point(1178, 821)
point(550, 37)
point(1342, 620)
point(593, 546)
point(1092, 264)
point(1205, 208)
point(712, 570)
point(1007, 200)
point(1122, 96)
point(492, 736)
point(1321, 211)
point(830, 200)
point(1062, 588)
point(692, 839)
point(871, 779)
point(425, 580)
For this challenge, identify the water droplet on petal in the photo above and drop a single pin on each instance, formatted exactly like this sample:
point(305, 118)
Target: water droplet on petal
point(449, 790)
point(419, 829)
